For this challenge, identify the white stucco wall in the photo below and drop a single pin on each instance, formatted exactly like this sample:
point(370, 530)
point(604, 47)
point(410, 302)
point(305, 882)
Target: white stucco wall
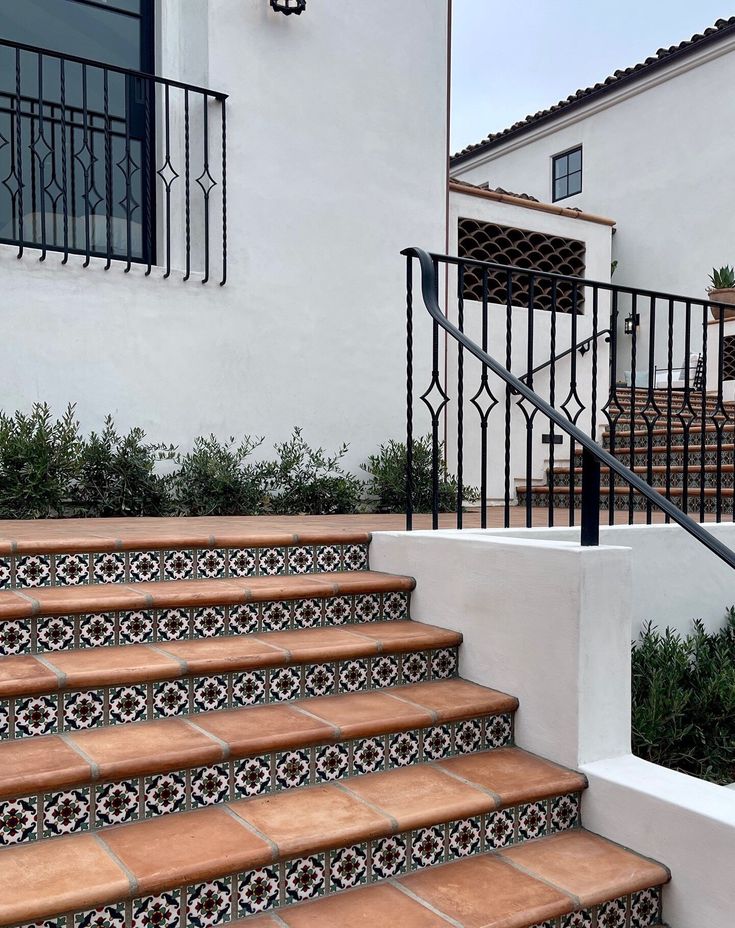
point(336, 161)
point(656, 159)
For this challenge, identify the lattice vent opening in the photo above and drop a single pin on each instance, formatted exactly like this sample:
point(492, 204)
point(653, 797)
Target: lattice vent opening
point(728, 358)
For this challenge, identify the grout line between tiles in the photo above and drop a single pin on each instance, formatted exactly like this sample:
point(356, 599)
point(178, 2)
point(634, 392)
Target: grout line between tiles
point(497, 799)
point(371, 805)
point(241, 820)
point(577, 902)
point(226, 750)
point(130, 876)
point(68, 741)
point(427, 905)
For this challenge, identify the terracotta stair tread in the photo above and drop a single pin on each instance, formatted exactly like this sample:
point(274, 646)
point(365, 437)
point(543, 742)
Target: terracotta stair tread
point(136, 663)
point(172, 593)
point(79, 758)
point(174, 850)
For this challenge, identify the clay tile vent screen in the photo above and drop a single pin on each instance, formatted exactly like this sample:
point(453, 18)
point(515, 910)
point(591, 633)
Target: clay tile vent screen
point(522, 249)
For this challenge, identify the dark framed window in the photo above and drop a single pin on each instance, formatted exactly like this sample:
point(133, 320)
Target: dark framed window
point(567, 174)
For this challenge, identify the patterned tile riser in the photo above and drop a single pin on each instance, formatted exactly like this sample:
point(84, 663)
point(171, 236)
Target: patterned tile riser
point(44, 570)
point(561, 501)
point(72, 811)
point(658, 479)
point(288, 882)
point(46, 634)
point(622, 439)
point(69, 711)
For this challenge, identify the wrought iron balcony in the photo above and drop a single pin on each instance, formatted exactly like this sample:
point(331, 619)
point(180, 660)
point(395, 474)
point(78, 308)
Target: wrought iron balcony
point(110, 163)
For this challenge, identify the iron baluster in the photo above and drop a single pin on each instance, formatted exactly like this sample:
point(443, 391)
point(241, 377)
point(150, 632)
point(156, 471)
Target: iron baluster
point(187, 188)
point(224, 195)
point(19, 142)
point(409, 393)
point(64, 160)
point(108, 170)
point(460, 395)
point(508, 410)
point(552, 401)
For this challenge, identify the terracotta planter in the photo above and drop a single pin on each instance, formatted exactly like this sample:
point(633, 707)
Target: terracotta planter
point(726, 295)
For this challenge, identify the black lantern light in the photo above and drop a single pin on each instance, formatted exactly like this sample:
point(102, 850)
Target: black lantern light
point(631, 323)
point(289, 6)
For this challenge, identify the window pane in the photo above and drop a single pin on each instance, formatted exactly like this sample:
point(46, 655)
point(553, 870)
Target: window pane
point(574, 182)
point(574, 159)
point(560, 166)
point(560, 188)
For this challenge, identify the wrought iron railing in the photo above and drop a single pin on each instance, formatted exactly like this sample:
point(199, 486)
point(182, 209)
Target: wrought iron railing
point(524, 395)
point(110, 163)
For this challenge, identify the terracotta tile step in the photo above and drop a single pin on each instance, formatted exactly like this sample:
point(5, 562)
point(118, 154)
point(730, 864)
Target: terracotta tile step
point(275, 849)
point(660, 469)
point(89, 780)
point(539, 882)
point(77, 690)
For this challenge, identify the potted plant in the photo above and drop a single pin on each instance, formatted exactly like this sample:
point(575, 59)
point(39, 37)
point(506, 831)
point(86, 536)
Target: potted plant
point(722, 290)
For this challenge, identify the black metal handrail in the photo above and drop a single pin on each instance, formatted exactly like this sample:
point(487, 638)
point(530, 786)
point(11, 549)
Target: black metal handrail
point(594, 455)
point(582, 347)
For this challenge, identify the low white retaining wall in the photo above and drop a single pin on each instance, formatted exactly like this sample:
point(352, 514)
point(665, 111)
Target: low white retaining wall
point(551, 623)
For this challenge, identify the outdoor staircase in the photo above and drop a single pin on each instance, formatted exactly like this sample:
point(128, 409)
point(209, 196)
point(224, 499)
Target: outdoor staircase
point(677, 460)
point(209, 722)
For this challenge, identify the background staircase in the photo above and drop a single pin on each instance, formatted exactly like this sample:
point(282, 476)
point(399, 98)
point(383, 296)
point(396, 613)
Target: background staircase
point(209, 722)
point(676, 459)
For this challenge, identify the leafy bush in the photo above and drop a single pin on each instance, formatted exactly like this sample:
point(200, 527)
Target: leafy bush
point(684, 700)
point(309, 481)
point(217, 479)
point(117, 475)
point(387, 470)
point(39, 459)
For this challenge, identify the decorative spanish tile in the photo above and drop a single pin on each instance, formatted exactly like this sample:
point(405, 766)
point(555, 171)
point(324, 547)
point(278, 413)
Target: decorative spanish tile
point(338, 610)
point(109, 567)
point(415, 667)
point(292, 768)
point(353, 675)
point(209, 693)
point(368, 755)
point(244, 620)
point(135, 628)
point(300, 560)
point(328, 558)
point(319, 680)
point(427, 847)
point(276, 617)
point(66, 813)
point(241, 562)
point(272, 561)
point(384, 671)
point(437, 742)
point(531, 820)
point(71, 569)
point(144, 566)
point(395, 606)
point(307, 613)
point(4, 718)
point(498, 731)
point(116, 803)
point(48, 923)
point(348, 867)
point(248, 688)
point(305, 878)
point(127, 704)
point(645, 908)
point(15, 637)
point(367, 607)
point(355, 557)
point(284, 683)
point(32, 570)
point(465, 838)
point(162, 911)
point(83, 710)
point(17, 821)
point(389, 857)
point(170, 698)
point(5, 573)
point(612, 914)
point(499, 829)
point(210, 785)
point(209, 904)
point(36, 715)
point(55, 633)
point(257, 891)
point(252, 776)
point(403, 749)
point(564, 812)
point(468, 736)
point(209, 621)
point(107, 917)
point(581, 919)
point(331, 762)
point(164, 794)
point(173, 624)
point(97, 630)
point(178, 565)
point(444, 663)
point(211, 563)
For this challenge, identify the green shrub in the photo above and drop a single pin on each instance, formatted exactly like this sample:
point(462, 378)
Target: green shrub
point(387, 485)
point(117, 475)
point(310, 481)
point(217, 479)
point(684, 700)
point(39, 459)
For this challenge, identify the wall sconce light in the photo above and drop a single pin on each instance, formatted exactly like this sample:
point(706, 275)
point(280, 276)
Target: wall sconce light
point(289, 6)
point(631, 323)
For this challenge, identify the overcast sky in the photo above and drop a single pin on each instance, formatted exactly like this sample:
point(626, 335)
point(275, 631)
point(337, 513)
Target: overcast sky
point(514, 58)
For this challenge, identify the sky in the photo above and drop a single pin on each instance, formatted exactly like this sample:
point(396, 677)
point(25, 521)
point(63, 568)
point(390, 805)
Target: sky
point(510, 59)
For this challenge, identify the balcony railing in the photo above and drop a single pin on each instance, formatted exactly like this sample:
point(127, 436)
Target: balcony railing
point(110, 163)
